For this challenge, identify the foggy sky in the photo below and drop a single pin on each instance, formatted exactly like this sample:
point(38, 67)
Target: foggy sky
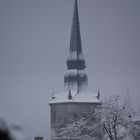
point(34, 44)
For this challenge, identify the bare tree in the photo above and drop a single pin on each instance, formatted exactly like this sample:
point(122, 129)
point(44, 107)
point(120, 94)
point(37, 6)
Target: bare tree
point(117, 121)
point(114, 119)
point(109, 121)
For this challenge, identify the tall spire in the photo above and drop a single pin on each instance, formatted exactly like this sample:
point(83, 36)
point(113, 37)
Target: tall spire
point(75, 62)
point(75, 53)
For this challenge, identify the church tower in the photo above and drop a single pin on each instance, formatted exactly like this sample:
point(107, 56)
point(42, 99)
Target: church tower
point(75, 98)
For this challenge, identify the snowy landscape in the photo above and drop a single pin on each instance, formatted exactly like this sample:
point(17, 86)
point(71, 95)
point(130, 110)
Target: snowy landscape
point(69, 70)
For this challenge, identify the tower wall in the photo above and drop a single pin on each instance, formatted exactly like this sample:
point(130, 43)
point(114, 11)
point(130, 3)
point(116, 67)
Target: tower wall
point(61, 114)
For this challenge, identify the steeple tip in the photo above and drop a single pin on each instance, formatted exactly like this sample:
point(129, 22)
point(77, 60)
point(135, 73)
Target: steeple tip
point(75, 14)
point(75, 3)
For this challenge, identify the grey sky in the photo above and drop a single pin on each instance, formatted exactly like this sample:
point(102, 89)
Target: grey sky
point(34, 44)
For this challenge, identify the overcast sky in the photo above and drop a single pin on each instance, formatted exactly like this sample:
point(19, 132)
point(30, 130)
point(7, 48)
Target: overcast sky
point(34, 44)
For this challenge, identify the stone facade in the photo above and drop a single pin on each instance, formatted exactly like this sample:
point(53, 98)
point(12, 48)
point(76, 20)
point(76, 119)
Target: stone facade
point(61, 113)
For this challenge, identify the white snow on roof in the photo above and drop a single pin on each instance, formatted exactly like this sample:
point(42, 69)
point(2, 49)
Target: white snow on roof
point(75, 71)
point(78, 98)
point(73, 56)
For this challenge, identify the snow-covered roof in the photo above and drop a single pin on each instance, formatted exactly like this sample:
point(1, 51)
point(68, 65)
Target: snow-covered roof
point(75, 71)
point(84, 97)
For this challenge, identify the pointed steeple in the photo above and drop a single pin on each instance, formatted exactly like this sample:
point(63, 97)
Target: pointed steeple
point(76, 59)
point(75, 42)
point(75, 76)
